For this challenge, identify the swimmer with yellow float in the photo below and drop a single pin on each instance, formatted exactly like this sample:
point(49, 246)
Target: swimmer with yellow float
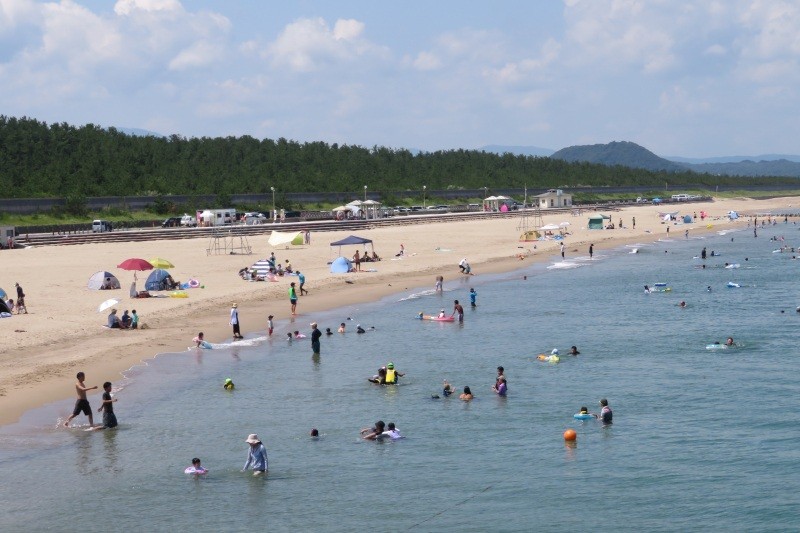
point(552, 358)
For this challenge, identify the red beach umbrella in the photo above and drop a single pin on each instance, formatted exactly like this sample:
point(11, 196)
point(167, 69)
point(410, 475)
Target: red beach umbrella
point(135, 264)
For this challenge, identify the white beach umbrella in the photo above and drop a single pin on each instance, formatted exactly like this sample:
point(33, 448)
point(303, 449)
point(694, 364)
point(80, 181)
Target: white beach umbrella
point(107, 305)
point(549, 227)
point(563, 225)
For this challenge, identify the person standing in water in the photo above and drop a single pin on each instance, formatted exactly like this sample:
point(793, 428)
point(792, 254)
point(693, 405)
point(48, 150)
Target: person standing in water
point(605, 413)
point(473, 296)
point(458, 311)
point(107, 407)
point(235, 322)
point(256, 456)
point(315, 336)
point(82, 404)
point(591, 250)
point(293, 298)
point(562, 251)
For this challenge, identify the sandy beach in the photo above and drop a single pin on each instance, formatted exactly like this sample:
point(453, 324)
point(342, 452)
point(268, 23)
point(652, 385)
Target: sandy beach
point(63, 333)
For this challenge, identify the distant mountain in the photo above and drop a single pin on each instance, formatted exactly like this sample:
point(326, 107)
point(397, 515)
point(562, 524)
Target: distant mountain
point(734, 158)
point(138, 132)
point(623, 153)
point(517, 150)
point(781, 167)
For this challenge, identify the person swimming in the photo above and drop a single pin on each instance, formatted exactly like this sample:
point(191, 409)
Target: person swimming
point(447, 389)
point(228, 384)
point(359, 329)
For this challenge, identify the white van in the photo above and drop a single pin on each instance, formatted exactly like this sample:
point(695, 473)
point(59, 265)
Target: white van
point(101, 226)
point(680, 197)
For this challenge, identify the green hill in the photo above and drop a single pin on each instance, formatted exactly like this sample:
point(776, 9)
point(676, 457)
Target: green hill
point(618, 153)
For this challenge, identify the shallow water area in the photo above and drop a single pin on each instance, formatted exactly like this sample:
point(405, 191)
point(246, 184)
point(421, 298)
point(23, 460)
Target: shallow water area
point(701, 439)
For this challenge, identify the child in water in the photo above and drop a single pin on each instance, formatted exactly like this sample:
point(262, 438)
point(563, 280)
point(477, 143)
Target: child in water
point(228, 384)
point(195, 469)
point(447, 389)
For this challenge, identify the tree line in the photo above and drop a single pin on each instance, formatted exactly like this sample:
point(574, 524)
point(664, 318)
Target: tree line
point(60, 160)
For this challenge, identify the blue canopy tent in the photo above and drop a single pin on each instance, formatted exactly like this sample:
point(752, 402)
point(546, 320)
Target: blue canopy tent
point(155, 281)
point(352, 240)
point(341, 265)
point(687, 219)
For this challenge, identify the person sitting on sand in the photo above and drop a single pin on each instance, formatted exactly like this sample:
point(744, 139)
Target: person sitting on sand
point(466, 395)
point(113, 319)
point(125, 321)
point(375, 256)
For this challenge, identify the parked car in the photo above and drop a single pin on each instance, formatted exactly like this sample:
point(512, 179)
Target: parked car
point(642, 200)
point(171, 222)
point(188, 221)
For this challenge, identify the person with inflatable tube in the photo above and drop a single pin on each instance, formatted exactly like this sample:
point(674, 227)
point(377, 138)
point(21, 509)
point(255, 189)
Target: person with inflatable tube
point(584, 414)
point(392, 375)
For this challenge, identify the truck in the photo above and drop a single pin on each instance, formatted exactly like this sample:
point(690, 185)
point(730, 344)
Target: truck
point(216, 217)
point(188, 221)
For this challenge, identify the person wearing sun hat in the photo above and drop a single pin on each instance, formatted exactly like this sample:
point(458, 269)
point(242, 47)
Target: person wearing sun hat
point(392, 375)
point(235, 322)
point(256, 456)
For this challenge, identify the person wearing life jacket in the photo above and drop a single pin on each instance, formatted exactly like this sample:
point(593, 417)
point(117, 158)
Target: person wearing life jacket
point(392, 375)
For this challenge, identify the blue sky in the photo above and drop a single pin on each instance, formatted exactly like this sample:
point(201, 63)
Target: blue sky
point(697, 78)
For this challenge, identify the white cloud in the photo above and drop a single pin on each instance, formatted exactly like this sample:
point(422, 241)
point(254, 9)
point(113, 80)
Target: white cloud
point(426, 61)
point(127, 7)
point(308, 44)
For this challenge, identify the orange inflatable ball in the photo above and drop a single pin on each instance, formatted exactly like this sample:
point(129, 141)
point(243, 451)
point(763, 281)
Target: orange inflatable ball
point(570, 435)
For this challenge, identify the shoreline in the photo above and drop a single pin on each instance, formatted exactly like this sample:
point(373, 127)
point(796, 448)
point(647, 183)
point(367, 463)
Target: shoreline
point(40, 371)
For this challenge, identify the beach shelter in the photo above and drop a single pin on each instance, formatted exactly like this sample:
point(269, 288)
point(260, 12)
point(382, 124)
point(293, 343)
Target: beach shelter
point(341, 265)
point(4, 306)
point(155, 281)
point(687, 219)
point(262, 267)
point(733, 215)
point(352, 240)
point(3, 294)
point(597, 221)
point(285, 238)
point(98, 278)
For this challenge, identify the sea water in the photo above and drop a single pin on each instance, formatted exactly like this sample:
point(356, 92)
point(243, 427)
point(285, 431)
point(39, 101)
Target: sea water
point(701, 439)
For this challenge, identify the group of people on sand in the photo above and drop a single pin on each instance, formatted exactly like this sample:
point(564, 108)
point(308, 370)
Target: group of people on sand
point(19, 305)
point(126, 321)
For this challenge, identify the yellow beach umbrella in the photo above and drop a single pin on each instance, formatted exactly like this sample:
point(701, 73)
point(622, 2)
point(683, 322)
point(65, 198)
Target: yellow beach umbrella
point(157, 262)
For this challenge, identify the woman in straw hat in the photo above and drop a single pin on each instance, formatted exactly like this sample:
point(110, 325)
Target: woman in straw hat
point(256, 456)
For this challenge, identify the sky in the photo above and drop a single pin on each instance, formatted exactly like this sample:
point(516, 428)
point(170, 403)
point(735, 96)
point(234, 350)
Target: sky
point(697, 78)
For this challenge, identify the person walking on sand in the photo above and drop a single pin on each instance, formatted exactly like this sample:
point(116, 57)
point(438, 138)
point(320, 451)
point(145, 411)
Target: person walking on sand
point(293, 298)
point(302, 279)
point(20, 300)
point(357, 260)
point(82, 404)
point(235, 322)
point(634, 222)
point(315, 336)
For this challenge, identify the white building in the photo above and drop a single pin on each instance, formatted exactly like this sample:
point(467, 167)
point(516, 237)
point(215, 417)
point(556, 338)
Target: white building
point(554, 198)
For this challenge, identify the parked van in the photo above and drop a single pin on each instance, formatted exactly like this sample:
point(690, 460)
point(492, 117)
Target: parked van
point(680, 197)
point(100, 226)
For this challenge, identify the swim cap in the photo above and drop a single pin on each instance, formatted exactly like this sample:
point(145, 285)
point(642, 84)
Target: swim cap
point(390, 365)
point(555, 351)
point(442, 311)
point(228, 380)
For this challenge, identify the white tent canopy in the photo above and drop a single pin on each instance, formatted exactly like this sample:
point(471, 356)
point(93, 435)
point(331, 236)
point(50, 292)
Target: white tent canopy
point(549, 227)
point(280, 238)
